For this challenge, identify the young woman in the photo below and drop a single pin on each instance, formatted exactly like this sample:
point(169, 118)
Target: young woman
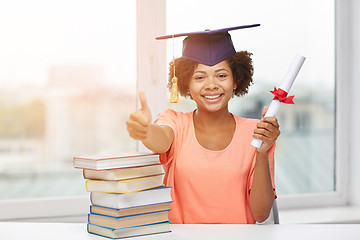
point(216, 174)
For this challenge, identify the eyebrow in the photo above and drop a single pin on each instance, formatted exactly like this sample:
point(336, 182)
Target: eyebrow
point(218, 70)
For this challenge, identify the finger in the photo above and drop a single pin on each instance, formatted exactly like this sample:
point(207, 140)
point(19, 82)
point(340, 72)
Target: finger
point(136, 130)
point(264, 112)
point(270, 133)
point(261, 137)
point(139, 117)
point(262, 131)
point(135, 126)
point(266, 127)
point(138, 136)
point(265, 137)
point(272, 120)
point(267, 130)
point(143, 101)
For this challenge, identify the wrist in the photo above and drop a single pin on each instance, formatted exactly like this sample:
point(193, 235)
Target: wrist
point(262, 156)
point(262, 152)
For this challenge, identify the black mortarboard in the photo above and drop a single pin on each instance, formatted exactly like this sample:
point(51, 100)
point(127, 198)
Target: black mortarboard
point(208, 47)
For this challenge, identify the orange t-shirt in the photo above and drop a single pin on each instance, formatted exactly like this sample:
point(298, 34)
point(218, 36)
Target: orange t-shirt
point(209, 186)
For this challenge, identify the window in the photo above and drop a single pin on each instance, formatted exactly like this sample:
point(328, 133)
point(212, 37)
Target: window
point(68, 84)
point(80, 72)
point(305, 156)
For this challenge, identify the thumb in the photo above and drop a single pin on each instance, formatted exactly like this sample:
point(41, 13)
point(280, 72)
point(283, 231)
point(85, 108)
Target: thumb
point(144, 106)
point(264, 112)
point(143, 101)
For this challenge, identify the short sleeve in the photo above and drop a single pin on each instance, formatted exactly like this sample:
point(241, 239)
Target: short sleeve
point(167, 118)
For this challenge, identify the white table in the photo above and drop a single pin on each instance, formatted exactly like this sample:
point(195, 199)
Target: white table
point(77, 231)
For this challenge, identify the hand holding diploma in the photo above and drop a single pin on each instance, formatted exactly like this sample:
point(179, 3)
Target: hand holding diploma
point(266, 131)
point(281, 93)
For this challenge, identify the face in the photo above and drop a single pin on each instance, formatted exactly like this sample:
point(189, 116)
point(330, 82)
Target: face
point(212, 87)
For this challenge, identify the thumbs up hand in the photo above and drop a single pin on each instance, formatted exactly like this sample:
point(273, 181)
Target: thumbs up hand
point(140, 120)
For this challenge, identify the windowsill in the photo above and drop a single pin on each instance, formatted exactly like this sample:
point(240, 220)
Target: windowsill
point(346, 214)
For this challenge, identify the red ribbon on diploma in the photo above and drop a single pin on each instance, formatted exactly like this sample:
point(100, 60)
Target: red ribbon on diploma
point(281, 95)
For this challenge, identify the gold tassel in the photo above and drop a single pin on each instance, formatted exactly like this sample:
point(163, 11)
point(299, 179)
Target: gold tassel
point(174, 97)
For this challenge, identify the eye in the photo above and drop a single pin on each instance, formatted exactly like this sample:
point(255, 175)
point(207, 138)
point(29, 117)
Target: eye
point(199, 77)
point(222, 75)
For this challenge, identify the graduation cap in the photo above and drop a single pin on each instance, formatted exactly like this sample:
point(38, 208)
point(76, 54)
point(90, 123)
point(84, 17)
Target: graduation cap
point(207, 47)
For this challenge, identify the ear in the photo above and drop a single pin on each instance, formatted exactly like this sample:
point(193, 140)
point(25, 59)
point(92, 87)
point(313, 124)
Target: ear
point(235, 86)
point(188, 94)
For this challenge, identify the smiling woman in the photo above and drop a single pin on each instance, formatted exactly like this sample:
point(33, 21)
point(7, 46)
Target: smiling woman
point(306, 167)
point(212, 86)
point(237, 62)
point(200, 144)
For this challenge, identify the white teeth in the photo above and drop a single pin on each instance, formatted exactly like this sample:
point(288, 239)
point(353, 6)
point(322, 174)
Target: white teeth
point(212, 97)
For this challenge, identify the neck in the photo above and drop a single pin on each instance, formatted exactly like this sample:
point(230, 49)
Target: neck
point(212, 119)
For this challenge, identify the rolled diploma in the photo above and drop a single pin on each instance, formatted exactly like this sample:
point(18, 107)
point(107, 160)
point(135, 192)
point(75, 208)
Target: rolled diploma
point(288, 80)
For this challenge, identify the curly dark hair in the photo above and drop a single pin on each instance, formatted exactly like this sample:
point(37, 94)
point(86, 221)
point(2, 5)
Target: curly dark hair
point(240, 64)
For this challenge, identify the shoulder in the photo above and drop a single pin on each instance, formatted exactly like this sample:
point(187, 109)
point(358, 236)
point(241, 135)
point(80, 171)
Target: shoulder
point(245, 126)
point(170, 113)
point(245, 122)
point(172, 117)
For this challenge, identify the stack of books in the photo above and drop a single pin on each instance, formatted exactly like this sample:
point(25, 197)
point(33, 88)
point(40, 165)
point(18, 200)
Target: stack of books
point(127, 195)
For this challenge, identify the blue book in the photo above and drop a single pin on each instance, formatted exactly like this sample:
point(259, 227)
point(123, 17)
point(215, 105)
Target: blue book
point(148, 229)
point(128, 221)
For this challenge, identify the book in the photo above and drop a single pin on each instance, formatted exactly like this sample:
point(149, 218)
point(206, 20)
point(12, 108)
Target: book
point(128, 221)
point(129, 211)
point(135, 199)
point(123, 173)
point(124, 186)
point(113, 162)
point(149, 229)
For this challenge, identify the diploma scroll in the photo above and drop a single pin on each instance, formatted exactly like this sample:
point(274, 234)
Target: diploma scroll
point(281, 93)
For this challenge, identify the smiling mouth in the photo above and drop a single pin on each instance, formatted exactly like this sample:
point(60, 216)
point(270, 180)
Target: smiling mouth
point(212, 96)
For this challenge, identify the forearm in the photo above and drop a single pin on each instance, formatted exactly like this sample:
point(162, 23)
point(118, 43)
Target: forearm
point(262, 193)
point(159, 138)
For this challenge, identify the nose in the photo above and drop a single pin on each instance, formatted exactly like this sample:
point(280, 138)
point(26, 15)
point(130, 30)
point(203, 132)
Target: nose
point(210, 84)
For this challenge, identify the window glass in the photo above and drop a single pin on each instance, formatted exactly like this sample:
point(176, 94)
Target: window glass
point(67, 86)
point(305, 153)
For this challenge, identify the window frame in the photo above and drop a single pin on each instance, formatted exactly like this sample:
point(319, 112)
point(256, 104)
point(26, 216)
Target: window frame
point(151, 15)
point(340, 196)
point(342, 150)
point(150, 22)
